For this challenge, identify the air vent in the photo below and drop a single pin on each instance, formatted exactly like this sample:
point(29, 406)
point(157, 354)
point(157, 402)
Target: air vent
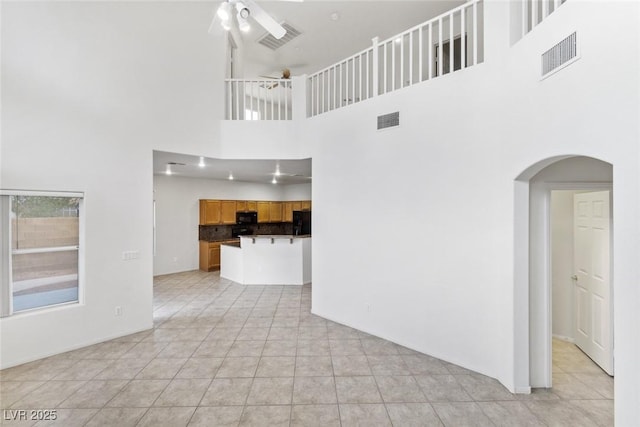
point(389, 120)
point(560, 54)
point(274, 43)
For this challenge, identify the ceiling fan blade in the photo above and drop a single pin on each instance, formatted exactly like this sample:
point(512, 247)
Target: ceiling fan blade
point(264, 19)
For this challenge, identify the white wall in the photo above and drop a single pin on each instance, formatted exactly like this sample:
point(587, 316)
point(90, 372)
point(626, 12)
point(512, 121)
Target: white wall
point(296, 192)
point(88, 90)
point(562, 263)
point(177, 215)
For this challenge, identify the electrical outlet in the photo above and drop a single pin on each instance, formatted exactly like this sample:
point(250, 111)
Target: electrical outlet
point(118, 311)
point(129, 255)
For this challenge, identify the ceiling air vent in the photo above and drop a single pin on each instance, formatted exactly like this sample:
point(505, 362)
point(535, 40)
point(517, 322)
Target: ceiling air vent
point(273, 43)
point(559, 55)
point(389, 120)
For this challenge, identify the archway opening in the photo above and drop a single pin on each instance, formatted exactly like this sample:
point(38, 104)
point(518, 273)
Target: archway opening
point(540, 191)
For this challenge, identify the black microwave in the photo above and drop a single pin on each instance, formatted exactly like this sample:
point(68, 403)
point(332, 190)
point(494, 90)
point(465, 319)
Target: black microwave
point(246, 217)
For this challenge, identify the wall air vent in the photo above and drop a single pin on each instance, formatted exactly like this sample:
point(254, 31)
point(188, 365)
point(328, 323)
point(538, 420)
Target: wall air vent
point(560, 55)
point(273, 43)
point(389, 120)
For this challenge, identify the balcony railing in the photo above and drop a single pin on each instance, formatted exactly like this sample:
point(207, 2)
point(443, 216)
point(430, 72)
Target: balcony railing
point(402, 60)
point(258, 99)
point(447, 43)
point(535, 11)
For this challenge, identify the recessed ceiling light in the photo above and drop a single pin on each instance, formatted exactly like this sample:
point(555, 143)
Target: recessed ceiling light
point(168, 170)
point(335, 16)
point(274, 181)
point(201, 163)
point(230, 176)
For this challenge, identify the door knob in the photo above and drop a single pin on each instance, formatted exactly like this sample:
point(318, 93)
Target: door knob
point(574, 277)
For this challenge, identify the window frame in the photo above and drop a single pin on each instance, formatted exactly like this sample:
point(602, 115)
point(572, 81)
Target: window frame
point(6, 252)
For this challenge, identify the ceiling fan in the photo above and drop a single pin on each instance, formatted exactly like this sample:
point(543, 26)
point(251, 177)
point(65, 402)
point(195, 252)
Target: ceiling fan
point(245, 9)
point(286, 75)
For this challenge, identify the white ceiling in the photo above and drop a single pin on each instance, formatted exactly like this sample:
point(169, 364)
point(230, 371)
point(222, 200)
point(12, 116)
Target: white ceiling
point(260, 171)
point(324, 41)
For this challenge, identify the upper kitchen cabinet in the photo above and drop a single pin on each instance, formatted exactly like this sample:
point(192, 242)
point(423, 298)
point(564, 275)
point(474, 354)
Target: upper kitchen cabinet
point(263, 212)
point(275, 211)
point(306, 205)
point(296, 206)
point(228, 212)
point(246, 206)
point(210, 212)
point(287, 212)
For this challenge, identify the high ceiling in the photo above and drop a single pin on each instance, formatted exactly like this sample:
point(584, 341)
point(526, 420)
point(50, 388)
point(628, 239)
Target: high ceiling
point(259, 171)
point(324, 40)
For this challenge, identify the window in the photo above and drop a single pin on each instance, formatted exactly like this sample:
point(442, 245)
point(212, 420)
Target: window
point(41, 250)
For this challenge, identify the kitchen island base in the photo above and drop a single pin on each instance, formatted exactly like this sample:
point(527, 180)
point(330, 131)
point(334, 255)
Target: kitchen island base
point(268, 260)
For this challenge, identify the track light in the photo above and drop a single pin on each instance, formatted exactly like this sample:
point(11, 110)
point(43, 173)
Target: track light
point(243, 11)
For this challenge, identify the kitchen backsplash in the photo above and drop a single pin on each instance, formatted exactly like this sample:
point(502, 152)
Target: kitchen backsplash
point(221, 232)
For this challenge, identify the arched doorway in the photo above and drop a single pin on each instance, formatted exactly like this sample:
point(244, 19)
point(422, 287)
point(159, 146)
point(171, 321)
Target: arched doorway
point(533, 257)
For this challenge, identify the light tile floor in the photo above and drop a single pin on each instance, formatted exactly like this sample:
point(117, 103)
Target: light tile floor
point(221, 354)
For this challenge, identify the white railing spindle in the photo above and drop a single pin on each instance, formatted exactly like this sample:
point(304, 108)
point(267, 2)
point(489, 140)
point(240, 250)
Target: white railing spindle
point(451, 44)
point(463, 40)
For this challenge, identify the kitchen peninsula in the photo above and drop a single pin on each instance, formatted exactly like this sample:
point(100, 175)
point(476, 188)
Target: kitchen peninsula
point(267, 260)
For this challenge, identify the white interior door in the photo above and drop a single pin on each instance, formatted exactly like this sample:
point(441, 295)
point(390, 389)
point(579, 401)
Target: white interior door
point(592, 263)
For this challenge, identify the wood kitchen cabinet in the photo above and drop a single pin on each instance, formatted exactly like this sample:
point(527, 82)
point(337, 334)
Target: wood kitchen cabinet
point(241, 205)
point(252, 205)
point(228, 212)
point(209, 212)
point(296, 206)
point(263, 212)
point(209, 256)
point(287, 212)
point(306, 205)
point(275, 211)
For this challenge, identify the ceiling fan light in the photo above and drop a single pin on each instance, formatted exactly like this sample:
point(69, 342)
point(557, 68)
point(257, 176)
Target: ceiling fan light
point(243, 24)
point(224, 11)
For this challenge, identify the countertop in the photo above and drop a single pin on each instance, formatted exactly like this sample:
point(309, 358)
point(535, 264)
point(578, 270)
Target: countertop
point(278, 236)
point(229, 240)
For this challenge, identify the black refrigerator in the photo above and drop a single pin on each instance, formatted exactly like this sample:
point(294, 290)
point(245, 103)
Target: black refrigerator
point(301, 222)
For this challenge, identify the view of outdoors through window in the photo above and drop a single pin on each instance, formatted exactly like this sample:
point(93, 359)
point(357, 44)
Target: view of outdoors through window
point(44, 250)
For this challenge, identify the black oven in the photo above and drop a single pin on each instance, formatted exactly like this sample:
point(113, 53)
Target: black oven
point(246, 218)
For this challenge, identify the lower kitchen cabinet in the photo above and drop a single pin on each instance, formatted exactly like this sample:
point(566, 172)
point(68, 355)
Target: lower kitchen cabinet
point(209, 256)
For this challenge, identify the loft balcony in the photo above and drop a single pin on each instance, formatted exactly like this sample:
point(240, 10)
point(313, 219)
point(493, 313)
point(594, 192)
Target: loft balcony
point(448, 43)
